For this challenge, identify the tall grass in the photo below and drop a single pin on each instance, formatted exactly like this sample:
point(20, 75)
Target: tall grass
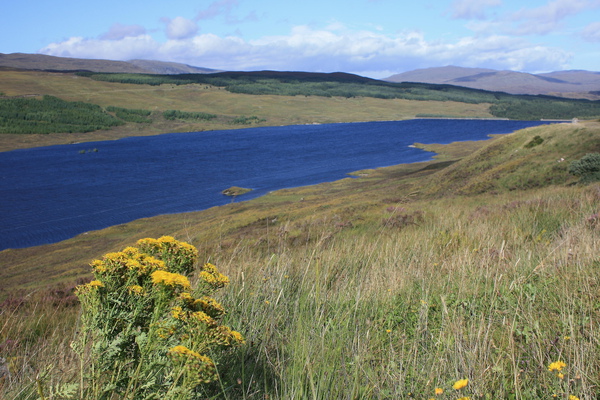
point(489, 289)
point(494, 296)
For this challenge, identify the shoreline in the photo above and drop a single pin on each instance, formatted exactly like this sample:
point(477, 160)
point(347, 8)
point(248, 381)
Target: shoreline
point(11, 142)
point(433, 157)
point(240, 199)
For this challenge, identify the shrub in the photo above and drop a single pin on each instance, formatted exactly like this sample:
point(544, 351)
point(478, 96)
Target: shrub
point(587, 168)
point(146, 331)
point(537, 140)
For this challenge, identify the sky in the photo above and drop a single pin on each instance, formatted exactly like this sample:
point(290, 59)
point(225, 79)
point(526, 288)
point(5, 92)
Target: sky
point(374, 38)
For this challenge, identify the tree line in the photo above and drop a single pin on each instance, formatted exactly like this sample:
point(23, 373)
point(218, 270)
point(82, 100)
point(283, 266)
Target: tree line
point(503, 105)
point(53, 115)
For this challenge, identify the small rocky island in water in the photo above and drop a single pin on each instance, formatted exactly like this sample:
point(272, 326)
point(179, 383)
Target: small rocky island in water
point(235, 191)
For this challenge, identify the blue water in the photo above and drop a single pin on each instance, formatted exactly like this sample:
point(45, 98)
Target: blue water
point(49, 194)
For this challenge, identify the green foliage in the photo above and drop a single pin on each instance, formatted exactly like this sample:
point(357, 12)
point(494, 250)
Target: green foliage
point(138, 79)
point(52, 115)
point(587, 168)
point(176, 114)
point(537, 140)
point(544, 107)
point(146, 333)
point(241, 120)
point(131, 115)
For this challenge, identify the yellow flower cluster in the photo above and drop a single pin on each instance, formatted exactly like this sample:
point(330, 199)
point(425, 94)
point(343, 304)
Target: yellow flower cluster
point(204, 318)
point(81, 289)
point(225, 336)
point(213, 277)
point(184, 351)
point(184, 253)
point(135, 289)
point(210, 306)
point(178, 313)
point(170, 279)
point(556, 366)
point(460, 384)
point(200, 368)
point(130, 259)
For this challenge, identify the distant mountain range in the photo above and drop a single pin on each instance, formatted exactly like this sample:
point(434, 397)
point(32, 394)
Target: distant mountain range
point(51, 63)
point(576, 84)
point(565, 83)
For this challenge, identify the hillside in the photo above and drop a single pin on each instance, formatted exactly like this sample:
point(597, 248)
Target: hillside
point(43, 62)
point(567, 83)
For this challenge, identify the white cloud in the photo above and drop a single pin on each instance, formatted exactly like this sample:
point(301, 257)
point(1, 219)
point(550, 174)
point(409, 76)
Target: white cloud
point(216, 8)
point(591, 33)
point(548, 18)
point(543, 20)
point(118, 31)
point(306, 49)
point(180, 28)
point(472, 9)
point(128, 48)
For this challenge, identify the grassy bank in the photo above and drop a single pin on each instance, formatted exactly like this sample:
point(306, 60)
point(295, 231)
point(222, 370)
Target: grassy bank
point(480, 265)
point(271, 110)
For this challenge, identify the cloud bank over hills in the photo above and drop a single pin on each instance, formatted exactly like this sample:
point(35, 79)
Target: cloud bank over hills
point(581, 84)
point(375, 38)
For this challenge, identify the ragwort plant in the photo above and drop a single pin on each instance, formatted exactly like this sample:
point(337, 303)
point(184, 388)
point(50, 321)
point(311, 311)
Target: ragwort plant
point(146, 332)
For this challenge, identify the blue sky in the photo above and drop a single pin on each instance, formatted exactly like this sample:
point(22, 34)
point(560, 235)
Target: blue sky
point(375, 38)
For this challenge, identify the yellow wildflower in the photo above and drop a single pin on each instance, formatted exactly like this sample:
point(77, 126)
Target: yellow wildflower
point(460, 384)
point(88, 286)
point(135, 289)
point(213, 277)
point(98, 266)
point(572, 397)
point(131, 251)
point(465, 398)
point(184, 351)
point(209, 306)
point(556, 366)
point(177, 312)
point(439, 391)
point(203, 317)
point(237, 337)
point(560, 375)
point(170, 279)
